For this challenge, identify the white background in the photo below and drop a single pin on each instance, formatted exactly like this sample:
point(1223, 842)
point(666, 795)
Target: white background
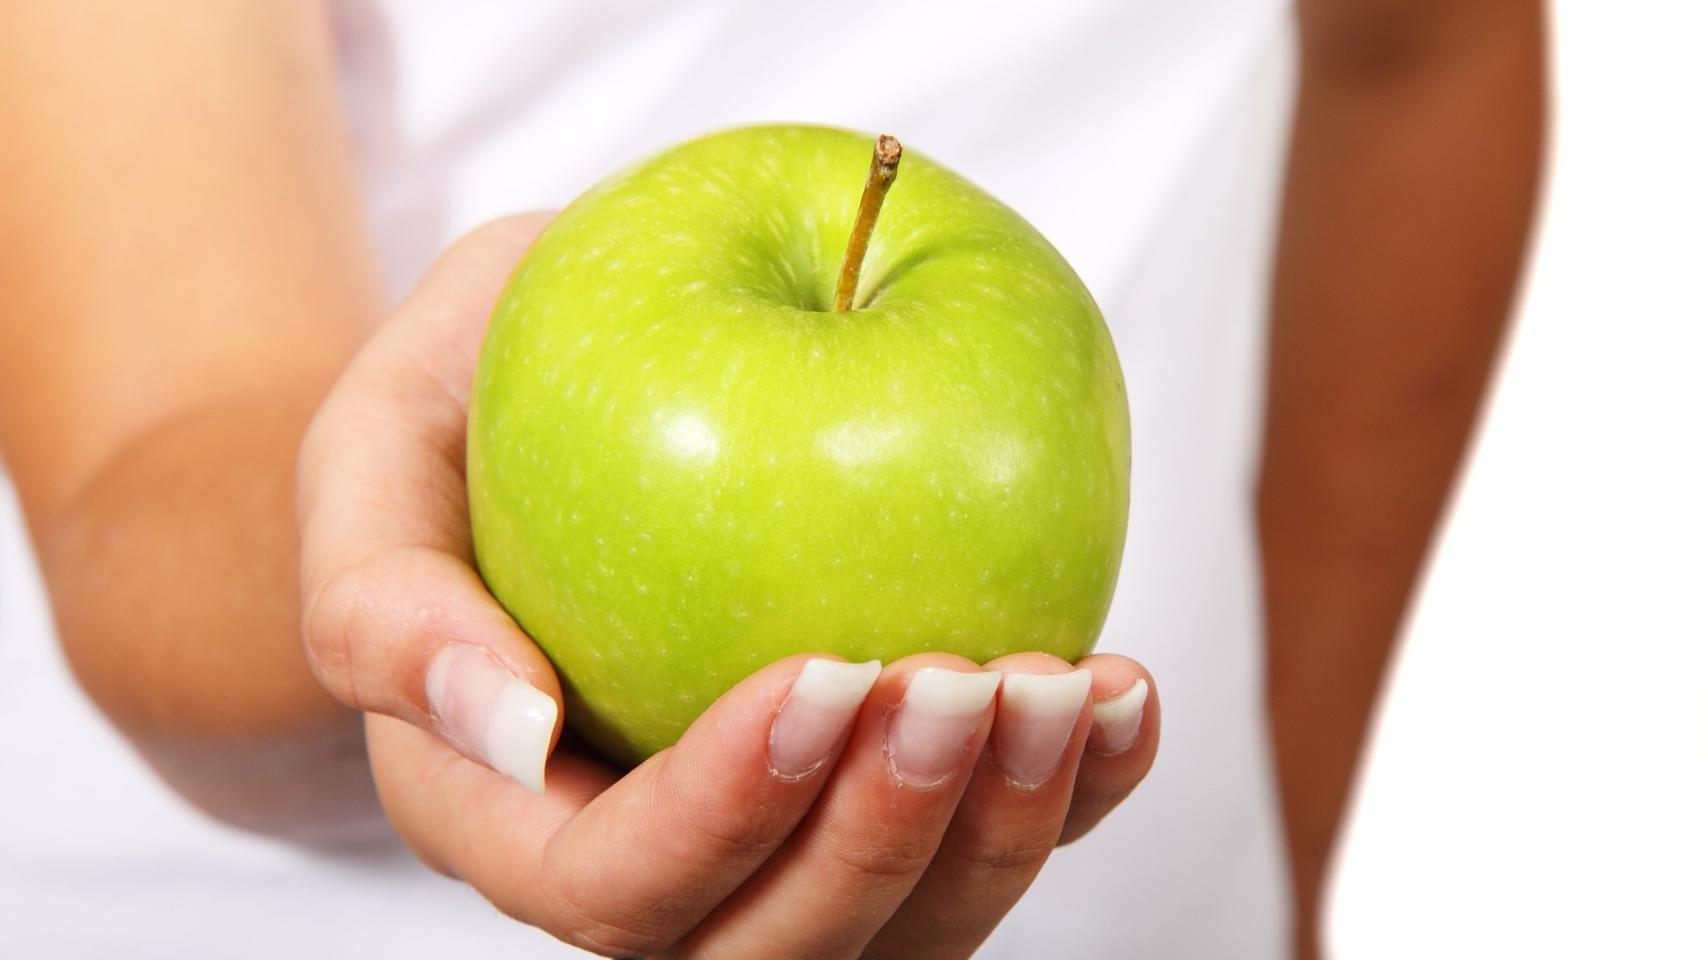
point(1538, 785)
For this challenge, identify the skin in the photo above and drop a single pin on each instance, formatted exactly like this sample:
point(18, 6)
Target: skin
point(1414, 165)
point(173, 316)
point(683, 466)
point(150, 415)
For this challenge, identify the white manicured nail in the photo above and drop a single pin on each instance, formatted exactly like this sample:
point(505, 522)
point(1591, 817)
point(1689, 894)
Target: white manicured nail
point(491, 714)
point(820, 708)
point(933, 726)
point(1038, 712)
point(1118, 720)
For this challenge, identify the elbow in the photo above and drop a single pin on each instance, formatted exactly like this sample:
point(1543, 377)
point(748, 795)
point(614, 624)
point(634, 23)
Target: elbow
point(1374, 43)
point(1365, 42)
point(314, 793)
point(190, 651)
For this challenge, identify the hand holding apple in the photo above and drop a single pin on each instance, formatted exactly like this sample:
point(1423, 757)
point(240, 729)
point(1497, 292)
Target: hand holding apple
point(912, 831)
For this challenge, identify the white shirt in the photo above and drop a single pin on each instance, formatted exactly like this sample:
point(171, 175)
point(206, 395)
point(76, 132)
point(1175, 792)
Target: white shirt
point(1142, 137)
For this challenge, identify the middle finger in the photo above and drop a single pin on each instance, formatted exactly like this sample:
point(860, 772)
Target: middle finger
point(1010, 818)
point(875, 827)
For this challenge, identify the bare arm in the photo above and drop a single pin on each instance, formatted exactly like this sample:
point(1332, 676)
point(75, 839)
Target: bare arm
point(184, 273)
point(1415, 158)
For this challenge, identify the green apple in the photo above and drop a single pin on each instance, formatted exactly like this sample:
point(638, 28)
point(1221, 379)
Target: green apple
point(683, 464)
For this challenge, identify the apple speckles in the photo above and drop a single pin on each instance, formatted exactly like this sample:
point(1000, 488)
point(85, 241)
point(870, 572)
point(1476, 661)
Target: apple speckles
point(795, 463)
point(690, 439)
point(855, 442)
point(1004, 459)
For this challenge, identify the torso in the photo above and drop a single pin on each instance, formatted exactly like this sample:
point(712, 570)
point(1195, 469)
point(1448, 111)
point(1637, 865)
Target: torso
point(1141, 138)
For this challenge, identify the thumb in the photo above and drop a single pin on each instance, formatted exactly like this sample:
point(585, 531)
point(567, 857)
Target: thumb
point(396, 621)
point(412, 633)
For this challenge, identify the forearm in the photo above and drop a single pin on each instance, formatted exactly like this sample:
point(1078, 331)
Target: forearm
point(174, 584)
point(184, 272)
point(1409, 195)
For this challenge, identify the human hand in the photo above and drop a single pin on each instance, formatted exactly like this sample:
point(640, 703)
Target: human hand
point(818, 809)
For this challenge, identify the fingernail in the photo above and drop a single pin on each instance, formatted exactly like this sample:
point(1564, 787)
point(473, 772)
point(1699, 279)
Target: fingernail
point(491, 714)
point(820, 707)
point(1118, 719)
point(931, 729)
point(1038, 712)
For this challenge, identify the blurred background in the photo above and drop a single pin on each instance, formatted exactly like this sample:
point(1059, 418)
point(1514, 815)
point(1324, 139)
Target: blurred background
point(1537, 784)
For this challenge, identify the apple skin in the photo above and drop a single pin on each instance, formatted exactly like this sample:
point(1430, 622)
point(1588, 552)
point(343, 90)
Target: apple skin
point(682, 467)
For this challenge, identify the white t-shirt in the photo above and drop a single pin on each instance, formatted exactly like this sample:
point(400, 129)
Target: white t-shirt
point(1141, 136)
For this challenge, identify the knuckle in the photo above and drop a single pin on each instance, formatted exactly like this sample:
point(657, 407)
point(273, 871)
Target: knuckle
point(1019, 853)
point(588, 909)
point(741, 835)
point(615, 942)
point(715, 832)
point(887, 858)
point(520, 227)
point(327, 633)
point(1101, 801)
point(360, 622)
point(506, 237)
point(608, 936)
point(1088, 809)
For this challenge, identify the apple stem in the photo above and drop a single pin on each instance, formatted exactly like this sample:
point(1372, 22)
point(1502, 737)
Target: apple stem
point(885, 162)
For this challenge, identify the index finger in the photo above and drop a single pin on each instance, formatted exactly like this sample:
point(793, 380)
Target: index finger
point(630, 866)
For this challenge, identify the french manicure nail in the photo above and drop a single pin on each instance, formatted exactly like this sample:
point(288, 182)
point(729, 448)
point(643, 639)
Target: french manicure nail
point(820, 707)
point(1118, 719)
point(490, 713)
point(931, 729)
point(1038, 713)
